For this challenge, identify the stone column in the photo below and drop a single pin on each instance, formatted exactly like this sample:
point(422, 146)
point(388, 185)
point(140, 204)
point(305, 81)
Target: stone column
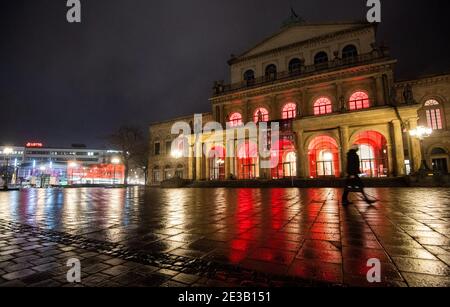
point(390, 153)
point(198, 161)
point(207, 168)
point(398, 149)
point(415, 150)
point(301, 161)
point(298, 99)
point(337, 107)
point(345, 147)
point(305, 107)
point(379, 89)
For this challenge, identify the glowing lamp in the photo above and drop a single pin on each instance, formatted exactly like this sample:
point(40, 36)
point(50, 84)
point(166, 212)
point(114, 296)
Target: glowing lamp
point(421, 132)
point(8, 151)
point(176, 154)
point(328, 156)
point(73, 165)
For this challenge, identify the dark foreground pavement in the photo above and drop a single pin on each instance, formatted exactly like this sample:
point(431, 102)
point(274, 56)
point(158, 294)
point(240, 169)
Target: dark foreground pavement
point(223, 237)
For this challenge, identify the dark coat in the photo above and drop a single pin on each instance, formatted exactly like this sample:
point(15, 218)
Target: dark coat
point(353, 163)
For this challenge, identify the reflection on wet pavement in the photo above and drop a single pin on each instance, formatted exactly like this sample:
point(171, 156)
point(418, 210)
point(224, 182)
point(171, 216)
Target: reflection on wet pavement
point(290, 232)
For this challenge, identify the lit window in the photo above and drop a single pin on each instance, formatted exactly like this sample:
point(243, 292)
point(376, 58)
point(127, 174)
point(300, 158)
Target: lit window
point(323, 106)
point(358, 101)
point(434, 114)
point(290, 111)
point(431, 103)
point(261, 115)
point(235, 120)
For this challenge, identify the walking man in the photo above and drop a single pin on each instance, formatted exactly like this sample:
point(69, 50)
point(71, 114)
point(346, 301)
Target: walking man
point(353, 182)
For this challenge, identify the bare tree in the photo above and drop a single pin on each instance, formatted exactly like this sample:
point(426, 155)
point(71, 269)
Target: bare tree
point(129, 140)
point(140, 159)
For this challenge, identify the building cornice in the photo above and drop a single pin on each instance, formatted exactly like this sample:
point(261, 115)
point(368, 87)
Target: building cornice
point(327, 77)
point(425, 80)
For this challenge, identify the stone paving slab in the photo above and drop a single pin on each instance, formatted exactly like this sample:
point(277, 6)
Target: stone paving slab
point(224, 237)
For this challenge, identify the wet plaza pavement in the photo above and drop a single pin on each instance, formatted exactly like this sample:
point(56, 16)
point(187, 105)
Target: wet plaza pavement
point(223, 237)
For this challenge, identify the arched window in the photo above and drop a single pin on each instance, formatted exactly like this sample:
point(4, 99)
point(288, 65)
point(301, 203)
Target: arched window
point(261, 115)
point(323, 152)
point(217, 163)
point(249, 77)
point(349, 52)
point(438, 151)
point(358, 101)
point(247, 160)
point(373, 153)
point(320, 58)
point(434, 114)
point(167, 172)
point(179, 172)
point(295, 66)
point(290, 111)
point(323, 106)
point(156, 175)
point(235, 120)
point(271, 72)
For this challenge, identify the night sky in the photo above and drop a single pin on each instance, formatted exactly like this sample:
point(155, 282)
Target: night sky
point(141, 61)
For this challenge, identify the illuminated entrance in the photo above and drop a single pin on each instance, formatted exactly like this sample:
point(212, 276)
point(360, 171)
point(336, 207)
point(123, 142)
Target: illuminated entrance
point(217, 163)
point(247, 160)
point(285, 158)
point(323, 153)
point(373, 153)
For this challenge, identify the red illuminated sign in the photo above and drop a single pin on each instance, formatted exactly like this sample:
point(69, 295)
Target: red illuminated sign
point(34, 145)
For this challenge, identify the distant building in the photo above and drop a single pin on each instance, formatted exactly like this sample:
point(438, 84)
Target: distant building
point(38, 165)
point(331, 87)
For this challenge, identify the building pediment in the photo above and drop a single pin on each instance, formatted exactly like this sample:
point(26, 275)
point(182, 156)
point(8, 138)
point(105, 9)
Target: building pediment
point(299, 33)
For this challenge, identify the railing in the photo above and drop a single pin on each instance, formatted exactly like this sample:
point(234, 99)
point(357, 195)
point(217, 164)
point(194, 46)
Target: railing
point(304, 71)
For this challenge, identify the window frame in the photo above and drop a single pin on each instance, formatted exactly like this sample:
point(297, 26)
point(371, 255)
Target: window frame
point(265, 115)
point(434, 114)
point(287, 109)
point(365, 103)
point(235, 122)
point(319, 107)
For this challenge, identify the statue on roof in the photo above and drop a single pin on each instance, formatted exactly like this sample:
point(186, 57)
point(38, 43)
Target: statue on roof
point(294, 19)
point(408, 94)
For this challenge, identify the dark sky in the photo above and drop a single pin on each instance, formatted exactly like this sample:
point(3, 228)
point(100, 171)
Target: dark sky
point(141, 61)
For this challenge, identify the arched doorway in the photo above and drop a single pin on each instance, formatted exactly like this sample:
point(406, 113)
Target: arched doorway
point(323, 152)
point(439, 160)
point(373, 153)
point(217, 163)
point(167, 172)
point(179, 172)
point(247, 160)
point(156, 175)
point(284, 160)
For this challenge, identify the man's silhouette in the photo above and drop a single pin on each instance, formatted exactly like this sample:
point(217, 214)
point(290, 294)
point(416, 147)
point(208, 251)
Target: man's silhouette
point(353, 181)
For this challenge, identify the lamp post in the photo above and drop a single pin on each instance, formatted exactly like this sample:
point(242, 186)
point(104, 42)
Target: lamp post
point(421, 133)
point(115, 162)
point(7, 151)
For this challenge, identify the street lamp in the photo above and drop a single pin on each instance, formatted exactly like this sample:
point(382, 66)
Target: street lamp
point(115, 162)
point(7, 151)
point(421, 133)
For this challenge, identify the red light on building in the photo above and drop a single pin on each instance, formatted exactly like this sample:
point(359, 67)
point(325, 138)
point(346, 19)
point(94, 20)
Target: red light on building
point(34, 145)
